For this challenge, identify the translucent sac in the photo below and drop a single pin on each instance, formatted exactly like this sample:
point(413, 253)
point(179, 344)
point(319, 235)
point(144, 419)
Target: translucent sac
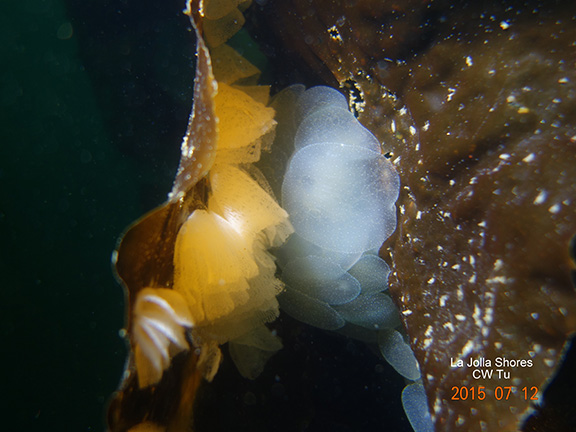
point(316, 98)
point(309, 310)
point(373, 311)
point(415, 405)
point(334, 124)
point(341, 197)
point(398, 353)
point(372, 273)
point(321, 279)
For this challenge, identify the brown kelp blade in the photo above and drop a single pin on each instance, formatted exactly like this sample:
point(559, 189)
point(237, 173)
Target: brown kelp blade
point(144, 258)
point(480, 258)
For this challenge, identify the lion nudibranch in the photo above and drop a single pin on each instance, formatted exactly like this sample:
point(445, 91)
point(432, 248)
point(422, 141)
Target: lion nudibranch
point(340, 192)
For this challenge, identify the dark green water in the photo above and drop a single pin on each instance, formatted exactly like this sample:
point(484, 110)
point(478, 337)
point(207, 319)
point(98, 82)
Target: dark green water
point(86, 147)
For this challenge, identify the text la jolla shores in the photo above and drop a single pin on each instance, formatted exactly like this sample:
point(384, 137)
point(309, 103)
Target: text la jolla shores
point(482, 367)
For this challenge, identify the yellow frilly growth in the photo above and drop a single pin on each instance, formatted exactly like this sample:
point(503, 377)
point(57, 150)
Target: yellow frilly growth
point(222, 19)
point(214, 263)
point(245, 126)
point(222, 266)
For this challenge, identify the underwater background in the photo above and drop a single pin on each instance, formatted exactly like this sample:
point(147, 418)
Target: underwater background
point(94, 100)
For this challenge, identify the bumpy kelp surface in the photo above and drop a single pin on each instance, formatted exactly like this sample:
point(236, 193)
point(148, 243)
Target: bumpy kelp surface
point(478, 104)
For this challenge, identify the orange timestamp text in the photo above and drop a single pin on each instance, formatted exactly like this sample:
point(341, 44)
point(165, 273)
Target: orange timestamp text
point(499, 393)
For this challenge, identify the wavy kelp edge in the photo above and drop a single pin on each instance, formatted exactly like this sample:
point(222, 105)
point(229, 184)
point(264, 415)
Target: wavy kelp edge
point(144, 258)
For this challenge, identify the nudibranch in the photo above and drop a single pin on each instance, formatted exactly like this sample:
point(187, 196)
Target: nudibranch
point(340, 192)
